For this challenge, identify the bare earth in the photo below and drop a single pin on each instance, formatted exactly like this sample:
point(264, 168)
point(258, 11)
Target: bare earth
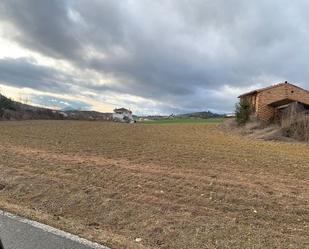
point(172, 186)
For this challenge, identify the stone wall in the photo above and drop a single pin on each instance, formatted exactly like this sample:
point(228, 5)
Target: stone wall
point(283, 91)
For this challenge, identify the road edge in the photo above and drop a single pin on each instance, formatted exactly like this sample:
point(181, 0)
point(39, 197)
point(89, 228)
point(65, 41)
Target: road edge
point(53, 230)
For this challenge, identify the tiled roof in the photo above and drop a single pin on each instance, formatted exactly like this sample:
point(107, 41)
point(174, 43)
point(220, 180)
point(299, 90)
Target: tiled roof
point(267, 88)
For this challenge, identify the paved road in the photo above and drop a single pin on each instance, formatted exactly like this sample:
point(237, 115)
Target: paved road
point(19, 233)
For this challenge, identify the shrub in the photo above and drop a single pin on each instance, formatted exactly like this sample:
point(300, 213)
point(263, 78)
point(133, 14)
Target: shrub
point(243, 111)
point(5, 104)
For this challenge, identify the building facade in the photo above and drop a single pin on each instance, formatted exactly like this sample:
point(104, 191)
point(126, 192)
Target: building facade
point(123, 115)
point(268, 102)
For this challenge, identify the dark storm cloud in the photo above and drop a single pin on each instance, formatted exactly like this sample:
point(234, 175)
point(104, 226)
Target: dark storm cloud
point(180, 53)
point(43, 26)
point(24, 72)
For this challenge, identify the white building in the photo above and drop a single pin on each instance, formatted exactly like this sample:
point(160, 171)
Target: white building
point(123, 115)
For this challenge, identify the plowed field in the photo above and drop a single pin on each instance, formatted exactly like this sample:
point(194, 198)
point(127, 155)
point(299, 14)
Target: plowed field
point(168, 186)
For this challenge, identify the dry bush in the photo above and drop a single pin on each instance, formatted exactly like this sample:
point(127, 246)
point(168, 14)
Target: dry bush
point(295, 122)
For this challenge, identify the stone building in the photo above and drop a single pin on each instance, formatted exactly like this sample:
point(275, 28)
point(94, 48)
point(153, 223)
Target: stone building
point(267, 103)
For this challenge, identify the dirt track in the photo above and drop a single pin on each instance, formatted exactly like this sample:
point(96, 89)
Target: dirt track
point(173, 186)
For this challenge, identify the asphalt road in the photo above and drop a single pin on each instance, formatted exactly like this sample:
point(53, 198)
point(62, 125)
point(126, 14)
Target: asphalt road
point(19, 233)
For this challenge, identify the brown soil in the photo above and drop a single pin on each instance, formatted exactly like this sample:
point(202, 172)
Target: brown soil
point(173, 186)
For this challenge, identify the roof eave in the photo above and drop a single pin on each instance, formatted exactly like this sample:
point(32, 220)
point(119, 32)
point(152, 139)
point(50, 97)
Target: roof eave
point(247, 94)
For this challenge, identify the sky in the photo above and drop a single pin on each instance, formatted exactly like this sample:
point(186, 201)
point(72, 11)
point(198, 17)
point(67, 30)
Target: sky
point(154, 57)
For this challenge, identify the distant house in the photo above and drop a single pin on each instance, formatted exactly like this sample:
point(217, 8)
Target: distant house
point(123, 115)
point(267, 103)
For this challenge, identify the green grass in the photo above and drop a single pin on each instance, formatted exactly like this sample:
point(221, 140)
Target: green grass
point(184, 121)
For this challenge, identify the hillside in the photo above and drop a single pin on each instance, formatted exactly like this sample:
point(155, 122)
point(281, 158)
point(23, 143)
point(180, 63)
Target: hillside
point(13, 110)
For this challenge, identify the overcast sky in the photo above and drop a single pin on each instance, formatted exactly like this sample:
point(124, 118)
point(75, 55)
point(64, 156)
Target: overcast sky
point(163, 56)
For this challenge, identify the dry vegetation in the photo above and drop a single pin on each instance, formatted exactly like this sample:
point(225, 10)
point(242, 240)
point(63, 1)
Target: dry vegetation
point(295, 122)
point(173, 186)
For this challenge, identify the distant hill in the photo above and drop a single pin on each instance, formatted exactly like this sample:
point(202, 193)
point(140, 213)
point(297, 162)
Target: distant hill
point(68, 109)
point(204, 114)
point(13, 110)
point(87, 115)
